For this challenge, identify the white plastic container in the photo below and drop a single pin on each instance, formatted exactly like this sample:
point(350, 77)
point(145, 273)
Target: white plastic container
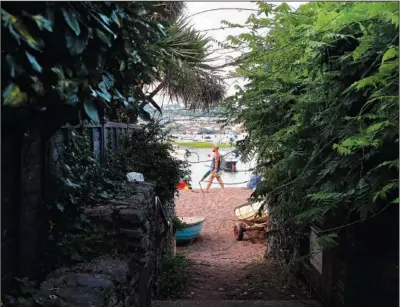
point(135, 177)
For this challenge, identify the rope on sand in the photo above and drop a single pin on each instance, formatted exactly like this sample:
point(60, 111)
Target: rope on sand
point(189, 153)
point(225, 183)
point(228, 183)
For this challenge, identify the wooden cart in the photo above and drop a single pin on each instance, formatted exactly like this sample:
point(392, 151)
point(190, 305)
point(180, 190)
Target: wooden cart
point(248, 219)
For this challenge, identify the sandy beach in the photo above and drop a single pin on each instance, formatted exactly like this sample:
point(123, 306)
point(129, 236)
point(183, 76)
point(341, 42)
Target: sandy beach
point(221, 267)
point(216, 243)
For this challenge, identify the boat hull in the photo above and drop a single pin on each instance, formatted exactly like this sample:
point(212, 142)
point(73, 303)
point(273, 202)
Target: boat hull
point(229, 166)
point(191, 231)
point(249, 213)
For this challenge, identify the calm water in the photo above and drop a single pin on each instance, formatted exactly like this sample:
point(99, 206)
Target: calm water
point(231, 180)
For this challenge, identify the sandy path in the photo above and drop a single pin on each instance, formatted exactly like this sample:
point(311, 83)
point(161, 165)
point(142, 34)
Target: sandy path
point(224, 268)
point(216, 255)
point(216, 243)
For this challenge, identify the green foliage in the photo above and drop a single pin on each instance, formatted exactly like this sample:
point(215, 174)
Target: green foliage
point(77, 57)
point(174, 275)
point(177, 223)
point(86, 242)
point(321, 105)
point(21, 295)
point(148, 151)
point(69, 61)
point(84, 182)
point(187, 76)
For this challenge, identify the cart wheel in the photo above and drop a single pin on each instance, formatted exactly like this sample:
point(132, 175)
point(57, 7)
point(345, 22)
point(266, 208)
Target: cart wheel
point(238, 231)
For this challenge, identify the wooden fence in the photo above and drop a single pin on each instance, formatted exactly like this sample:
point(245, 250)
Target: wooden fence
point(29, 164)
point(103, 137)
point(362, 271)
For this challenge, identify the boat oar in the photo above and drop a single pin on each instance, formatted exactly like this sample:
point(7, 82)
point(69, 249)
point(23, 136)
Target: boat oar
point(204, 177)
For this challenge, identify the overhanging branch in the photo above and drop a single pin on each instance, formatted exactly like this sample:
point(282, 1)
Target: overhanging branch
point(240, 27)
point(223, 8)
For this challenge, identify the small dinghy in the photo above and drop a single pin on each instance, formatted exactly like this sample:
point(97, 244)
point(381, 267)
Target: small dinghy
point(191, 230)
point(228, 161)
point(248, 219)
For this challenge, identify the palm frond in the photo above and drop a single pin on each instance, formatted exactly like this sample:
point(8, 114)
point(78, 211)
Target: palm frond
point(185, 43)
point(187, 75)
point(194, 87)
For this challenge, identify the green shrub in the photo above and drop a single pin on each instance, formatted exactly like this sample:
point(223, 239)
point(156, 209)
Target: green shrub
point(321, 106)
point(174, 275)
point(147, 151)
point(84, 182)
point(177, 223)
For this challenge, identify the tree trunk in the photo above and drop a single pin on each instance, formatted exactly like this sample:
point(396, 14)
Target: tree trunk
point(158, 88)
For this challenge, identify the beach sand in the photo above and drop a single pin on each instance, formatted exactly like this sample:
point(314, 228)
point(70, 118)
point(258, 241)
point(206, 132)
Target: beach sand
point(223, 268)
point(216, 242)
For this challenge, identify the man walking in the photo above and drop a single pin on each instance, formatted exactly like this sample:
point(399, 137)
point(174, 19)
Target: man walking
point(215, 169)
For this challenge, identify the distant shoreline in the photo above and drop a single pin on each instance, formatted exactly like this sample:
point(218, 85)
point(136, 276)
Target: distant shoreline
point(200, 145)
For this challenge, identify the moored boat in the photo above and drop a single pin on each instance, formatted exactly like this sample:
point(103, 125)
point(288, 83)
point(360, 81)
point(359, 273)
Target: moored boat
point(228, 161)
point(191, 229)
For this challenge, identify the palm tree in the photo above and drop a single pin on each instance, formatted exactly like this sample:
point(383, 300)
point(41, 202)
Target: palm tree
point(185, 71)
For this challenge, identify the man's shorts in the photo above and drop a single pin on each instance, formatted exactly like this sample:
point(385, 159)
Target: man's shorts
point(218, 173)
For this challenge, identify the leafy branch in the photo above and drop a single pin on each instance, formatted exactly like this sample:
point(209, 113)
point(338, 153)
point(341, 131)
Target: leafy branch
point(321, 105)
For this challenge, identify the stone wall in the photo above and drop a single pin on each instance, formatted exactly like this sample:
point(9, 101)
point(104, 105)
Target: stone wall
point(30, 164)
point(143, 229)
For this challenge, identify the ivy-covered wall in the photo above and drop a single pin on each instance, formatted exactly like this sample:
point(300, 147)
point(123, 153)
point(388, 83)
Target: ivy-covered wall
point(31, 166)
point(127, 275)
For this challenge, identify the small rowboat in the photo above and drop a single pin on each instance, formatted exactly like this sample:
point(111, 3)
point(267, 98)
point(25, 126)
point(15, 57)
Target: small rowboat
point(249, 213)
point(248, 219)
point(191, 230)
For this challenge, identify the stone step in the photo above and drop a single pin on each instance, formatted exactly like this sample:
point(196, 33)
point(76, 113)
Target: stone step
point(231, 303)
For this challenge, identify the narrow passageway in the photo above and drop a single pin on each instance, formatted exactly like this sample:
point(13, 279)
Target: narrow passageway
point(223, 268)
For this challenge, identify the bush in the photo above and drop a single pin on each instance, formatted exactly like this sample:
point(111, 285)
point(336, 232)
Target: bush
point(148, 152)
point(84, 182)
point(321, 106)
point(81, 183)
point(174, 275)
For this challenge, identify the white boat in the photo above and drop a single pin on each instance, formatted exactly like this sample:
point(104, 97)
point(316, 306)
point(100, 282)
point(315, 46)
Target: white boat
point(249, 212)
point(229, 161)
point(248, 219)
